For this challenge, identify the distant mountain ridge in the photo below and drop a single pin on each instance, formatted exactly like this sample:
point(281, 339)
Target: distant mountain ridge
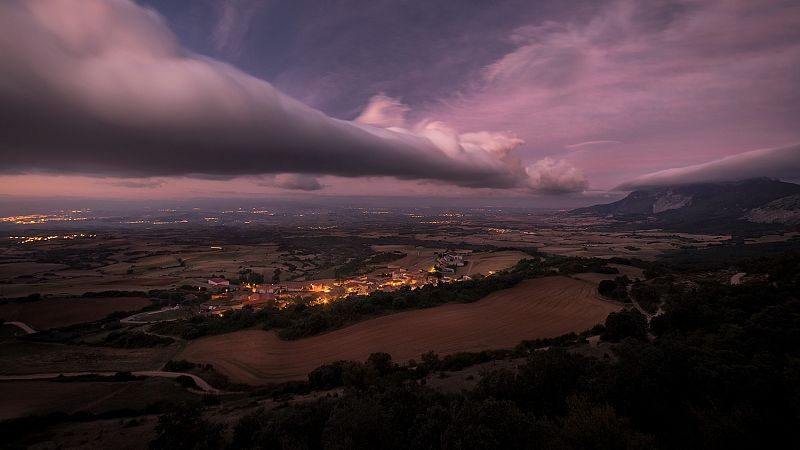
point(707, 206)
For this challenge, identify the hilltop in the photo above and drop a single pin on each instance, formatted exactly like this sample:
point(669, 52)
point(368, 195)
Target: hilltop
point(758, 203)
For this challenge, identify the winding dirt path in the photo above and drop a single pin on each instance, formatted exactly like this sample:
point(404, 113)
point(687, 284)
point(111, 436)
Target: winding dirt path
point(201, 383)
point(22, 326)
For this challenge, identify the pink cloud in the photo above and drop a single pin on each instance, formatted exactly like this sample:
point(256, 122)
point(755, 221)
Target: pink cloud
point(384, 111)
point(592, 144)
point(714, 78)
point(555, 177)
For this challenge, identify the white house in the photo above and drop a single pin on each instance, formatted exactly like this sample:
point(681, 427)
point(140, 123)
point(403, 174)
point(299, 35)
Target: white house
point(218, 282)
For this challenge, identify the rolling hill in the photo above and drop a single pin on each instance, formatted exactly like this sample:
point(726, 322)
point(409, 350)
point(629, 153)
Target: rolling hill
point(754, 204)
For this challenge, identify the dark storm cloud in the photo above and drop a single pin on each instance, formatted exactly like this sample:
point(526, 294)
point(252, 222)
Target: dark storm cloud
point(102, 87)
point(135, 184)
point(292, 181)
point(783, 162)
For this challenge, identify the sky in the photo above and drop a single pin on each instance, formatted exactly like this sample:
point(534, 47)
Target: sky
point(550, 102)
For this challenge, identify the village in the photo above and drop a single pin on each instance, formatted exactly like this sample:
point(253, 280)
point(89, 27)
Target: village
point(228, 295)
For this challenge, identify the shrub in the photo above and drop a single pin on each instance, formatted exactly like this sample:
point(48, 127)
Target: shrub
point(180, 365)
point(624, 324)
point(186, 381)
point(183, 428)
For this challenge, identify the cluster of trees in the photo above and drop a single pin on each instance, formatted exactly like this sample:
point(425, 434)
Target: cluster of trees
point(91, 377)
point(180, 365)
point(721, 370)
point(616, 288)
point(379, 367)
point(34, 297)
point(345, 255)
point(134, 339)
point(356, 266)
point(199, 326)
point(540, 407)
point(649, 295)
point(76, 257)
point(115, 293)
point(570, 265)
point(183, 427)
point(359, 264)
point(628, 323)
point(248, 276)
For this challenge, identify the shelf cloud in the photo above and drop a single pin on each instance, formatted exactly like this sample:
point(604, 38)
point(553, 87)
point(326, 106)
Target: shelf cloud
point(783, 163)
point(102, 87)
point(292, 181)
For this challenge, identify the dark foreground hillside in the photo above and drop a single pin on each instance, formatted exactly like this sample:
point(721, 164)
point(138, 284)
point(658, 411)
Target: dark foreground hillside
point(722, 371)
point(720, 368)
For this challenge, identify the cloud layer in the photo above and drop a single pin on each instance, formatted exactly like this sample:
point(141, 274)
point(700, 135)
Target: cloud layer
point(783, 163)
point(672, 80)
point(555, 177)
point(292, 181)
point(103, 87)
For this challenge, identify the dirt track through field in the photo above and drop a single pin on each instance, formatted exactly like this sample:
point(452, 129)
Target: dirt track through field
point(545, 307)
point(60, 312)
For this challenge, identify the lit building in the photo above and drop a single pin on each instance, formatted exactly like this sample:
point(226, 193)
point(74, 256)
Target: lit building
point(218, 282)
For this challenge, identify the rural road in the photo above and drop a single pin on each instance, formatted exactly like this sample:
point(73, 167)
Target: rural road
point(201, 383)
point(646, 314)
point(636, 305)
point(23, 326)
point(136, 319)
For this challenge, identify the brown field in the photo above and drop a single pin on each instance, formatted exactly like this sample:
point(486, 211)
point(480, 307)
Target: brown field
point(629, 271)
point(20, 358)
point(21, 398)
point(784, 237)
point(416, 257)
point(486, 262)
point(15, 269)
point(474, 263)
point(138, 272)
point(87, 283)
point(545, 307)
point(59, 312)
point(647, 245)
